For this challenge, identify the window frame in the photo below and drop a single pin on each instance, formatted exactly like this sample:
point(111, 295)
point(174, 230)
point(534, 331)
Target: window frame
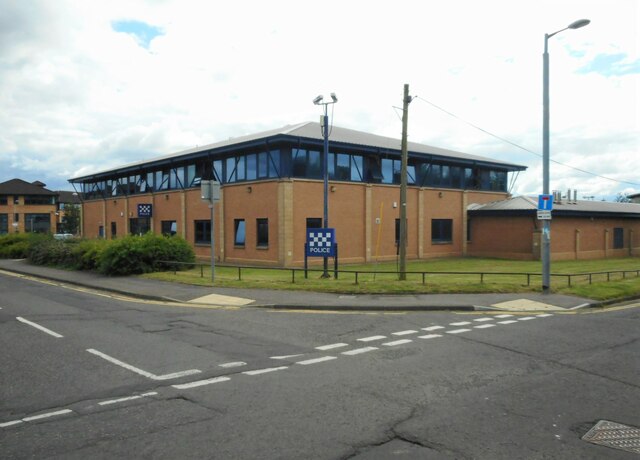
point(262, 233)
point(443, 228)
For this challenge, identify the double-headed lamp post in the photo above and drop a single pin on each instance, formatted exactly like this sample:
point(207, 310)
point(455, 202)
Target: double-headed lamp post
point(546, 226)
point(325, 166)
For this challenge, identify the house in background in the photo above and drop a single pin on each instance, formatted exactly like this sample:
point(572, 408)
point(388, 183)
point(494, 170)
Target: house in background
point(30, 207)
point(579, 229)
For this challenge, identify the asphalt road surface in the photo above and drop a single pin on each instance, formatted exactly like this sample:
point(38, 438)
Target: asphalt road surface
point(94, 376)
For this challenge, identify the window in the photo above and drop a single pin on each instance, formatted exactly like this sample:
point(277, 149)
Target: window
point(239, 230)
point(168, 227)
point(139, 225)
point(231, 169)
point(357, 168)
point(387, 171)
point(39, 223)
point(252, 167)
point(4, 224)
point(114, 230)
point(262, 227)
point(101, 231)
point(397, 231)
point(618, 238)
point(39, 199)
point(202, 231)
point(299, 162)
point(16, 217)
point(342, 167)
point(441, 231)
point(3, 200)
point(314, 222)
point(274, 164)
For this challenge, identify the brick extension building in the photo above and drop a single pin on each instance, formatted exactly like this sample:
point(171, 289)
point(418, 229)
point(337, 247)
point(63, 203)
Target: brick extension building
point(272, 191)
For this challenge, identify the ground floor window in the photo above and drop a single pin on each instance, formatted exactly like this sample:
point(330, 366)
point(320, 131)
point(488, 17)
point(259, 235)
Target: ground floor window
point(114, 229)
point(262, 237)
point(240, 232)
point(39, 223)
point(139, 225)
point(4, 224)
point(169, 227)
point(441, 231)
point(618, 238)
point(202, 231)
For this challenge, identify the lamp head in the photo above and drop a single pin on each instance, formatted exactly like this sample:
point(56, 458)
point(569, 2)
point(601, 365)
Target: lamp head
point(318, 100)
point(334, 97)
point(579, 23)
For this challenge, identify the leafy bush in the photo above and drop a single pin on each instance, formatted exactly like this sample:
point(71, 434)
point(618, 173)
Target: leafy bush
point(18, 245)
point(86, 253)
point(48, 251)
point(144, 254)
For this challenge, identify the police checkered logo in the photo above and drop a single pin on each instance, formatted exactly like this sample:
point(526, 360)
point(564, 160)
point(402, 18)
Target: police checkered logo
point(144, 210)
point(320, 239)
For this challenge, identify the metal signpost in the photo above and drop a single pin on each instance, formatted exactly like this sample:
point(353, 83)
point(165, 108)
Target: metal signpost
point(210, 193)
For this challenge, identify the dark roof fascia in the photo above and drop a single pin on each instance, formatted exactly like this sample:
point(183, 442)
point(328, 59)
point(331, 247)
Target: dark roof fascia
point(555, 213)
point(21, 187)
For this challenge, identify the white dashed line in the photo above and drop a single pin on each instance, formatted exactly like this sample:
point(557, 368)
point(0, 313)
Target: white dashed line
point(357, 351)
point(544, 315)
point(432, 328)
point(128, 398)
point(287, 356)
point(41, 328)
point(457, 331)
point(11, 423)
point(404, 332)
point(480, 320)
point(316, 360)
point(199, 383)
point(332, 346)
point(47, 415)
point(429, 336)
point(149, 375)
point(507, 322)
point(265, 371)
point(397, 342)
point(526, 318)
point(372, 338)
point(461, 323)
point(233, 364)
point(484, 326)
point(503, 316)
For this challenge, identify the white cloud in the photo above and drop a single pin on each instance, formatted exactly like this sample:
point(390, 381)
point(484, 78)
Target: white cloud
point(78, 96)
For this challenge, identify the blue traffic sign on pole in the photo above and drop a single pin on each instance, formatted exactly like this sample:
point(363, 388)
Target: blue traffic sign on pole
point(545, 202)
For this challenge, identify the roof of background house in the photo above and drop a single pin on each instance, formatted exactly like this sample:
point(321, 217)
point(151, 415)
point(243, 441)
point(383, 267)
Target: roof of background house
point(311, 130)
point(68, 197)
point(20, 187)
point(525, 205)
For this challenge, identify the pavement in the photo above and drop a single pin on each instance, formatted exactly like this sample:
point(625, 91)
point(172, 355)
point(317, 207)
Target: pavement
point(141, 288)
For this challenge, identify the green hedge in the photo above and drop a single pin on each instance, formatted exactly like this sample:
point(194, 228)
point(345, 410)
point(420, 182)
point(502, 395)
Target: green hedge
point(17, 245)
point(124, 256)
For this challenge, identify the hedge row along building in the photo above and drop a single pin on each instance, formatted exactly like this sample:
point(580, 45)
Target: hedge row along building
point(272, 191)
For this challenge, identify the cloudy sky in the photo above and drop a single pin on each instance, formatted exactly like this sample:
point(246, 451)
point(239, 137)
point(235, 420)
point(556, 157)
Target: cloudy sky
point(87, 85)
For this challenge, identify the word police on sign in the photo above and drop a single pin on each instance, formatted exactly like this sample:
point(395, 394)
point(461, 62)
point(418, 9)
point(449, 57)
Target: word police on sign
point(321, 242)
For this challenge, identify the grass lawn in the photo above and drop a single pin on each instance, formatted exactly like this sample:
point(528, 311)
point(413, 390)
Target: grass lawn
point(383, 279)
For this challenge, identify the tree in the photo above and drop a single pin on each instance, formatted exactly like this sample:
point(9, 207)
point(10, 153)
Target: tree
point(622, 198)
point(71, 219)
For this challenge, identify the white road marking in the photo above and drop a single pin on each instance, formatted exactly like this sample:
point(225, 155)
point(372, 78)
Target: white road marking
point(149, 375)
point(544, 315)
point(504, 316)
point(287, 356)
point(128, 398)
point(199, 383)
point(316, 360)
point(266, 370)
point(432, 328)
point(457, 331)
point(397, 342)
point(47, 415)
point(233, 364)
point(507, 322)
point(404, 332)
point(484, 326)
point(429, 336)
point(480, 320)
point(332, 346)
point(357, 351)
point(372, 338)
point(526, 318)
point(579, 306)
point(42, 328)
point(12, 422)
point(461, 323)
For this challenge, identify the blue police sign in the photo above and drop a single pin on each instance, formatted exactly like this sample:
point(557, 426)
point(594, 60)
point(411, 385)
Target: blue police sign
point(145, 210)
point(321, 242)
point(545, 202)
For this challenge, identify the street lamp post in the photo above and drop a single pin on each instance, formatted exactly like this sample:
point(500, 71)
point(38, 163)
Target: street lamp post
point(325, 167)
point(546, 224)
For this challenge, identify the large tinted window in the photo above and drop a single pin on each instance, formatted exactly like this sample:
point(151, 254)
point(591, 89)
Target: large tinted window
point(202, 231)
point(441, 230)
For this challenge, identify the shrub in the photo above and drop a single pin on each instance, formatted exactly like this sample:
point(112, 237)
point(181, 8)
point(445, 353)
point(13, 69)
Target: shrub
point(144, 254)
point(48, 251)
point(18, 245)
point(86, 253)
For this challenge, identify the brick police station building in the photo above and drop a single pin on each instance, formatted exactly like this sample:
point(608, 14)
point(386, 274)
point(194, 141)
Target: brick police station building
point(272, 192)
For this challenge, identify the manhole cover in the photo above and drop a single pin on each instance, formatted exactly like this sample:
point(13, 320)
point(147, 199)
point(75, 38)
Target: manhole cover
point(615, 435)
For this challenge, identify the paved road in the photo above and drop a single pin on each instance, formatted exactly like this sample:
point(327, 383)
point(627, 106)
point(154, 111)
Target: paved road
point(86, 376)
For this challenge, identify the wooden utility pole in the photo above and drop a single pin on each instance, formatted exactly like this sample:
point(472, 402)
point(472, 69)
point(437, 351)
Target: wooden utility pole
point(403, 187)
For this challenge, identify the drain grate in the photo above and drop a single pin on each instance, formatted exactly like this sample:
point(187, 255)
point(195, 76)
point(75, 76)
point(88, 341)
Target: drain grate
point(615, 435)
